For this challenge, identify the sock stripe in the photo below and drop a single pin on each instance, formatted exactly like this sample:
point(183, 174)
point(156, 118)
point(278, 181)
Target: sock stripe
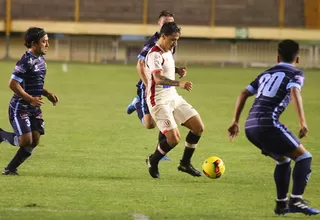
point(287, 160)
point(160, 150)
point(188, 145)
point(296, 196)
point(303, 156)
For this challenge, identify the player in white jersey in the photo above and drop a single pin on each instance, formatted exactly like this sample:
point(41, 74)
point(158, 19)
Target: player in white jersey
point(167, 108)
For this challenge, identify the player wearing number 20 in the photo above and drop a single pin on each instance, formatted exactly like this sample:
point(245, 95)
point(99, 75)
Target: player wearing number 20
point(274, 89)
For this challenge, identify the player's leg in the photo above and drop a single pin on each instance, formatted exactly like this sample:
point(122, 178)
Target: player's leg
point(196, 128)
point(186, 115)
point(163, 148)
point(132, 106)
point(280, 141)
point(9, 137)
point(167, 125)
point(282, 175)
point(144, 114)
point(29, 130)
point(282, 170)
point(301, 175)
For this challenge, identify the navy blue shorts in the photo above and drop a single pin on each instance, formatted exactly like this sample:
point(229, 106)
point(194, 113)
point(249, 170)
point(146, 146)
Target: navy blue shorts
point(275, 142)
point(141, 106)
point(24, 122)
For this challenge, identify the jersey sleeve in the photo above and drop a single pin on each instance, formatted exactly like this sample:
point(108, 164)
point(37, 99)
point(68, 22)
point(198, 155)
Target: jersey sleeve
point(297, 81)
point(155, 61)
point(254, 85)
point(143, 54)
point(19, 71)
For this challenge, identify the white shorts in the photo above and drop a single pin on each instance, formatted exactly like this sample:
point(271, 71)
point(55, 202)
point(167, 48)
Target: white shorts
point(168, 115)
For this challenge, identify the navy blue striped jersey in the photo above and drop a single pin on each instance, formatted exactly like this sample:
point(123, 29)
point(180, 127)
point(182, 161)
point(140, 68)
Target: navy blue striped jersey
point(147, 46)
point(272, 89)
point(30, 72)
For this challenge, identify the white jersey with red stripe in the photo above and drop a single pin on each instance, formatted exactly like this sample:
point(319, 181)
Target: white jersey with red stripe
point(157, 59)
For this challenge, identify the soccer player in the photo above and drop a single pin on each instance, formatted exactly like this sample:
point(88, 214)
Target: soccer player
point(168, 108)
point(25, 115)
point(274, 88)
point(139, 102)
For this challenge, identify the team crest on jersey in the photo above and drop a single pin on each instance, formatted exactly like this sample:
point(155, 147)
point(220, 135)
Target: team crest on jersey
point(39, 116)
point(24, 115)
point(36, 68)
point(31, 61)
point(166, 123)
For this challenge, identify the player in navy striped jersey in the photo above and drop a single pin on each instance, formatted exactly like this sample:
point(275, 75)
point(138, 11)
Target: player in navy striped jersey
point(27, 83)
point(274, 89)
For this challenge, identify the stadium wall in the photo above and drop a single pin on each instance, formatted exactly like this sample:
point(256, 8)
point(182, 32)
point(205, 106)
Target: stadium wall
point(106, 49)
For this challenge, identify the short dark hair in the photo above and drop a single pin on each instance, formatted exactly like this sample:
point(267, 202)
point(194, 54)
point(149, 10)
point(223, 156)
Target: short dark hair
point(288, 50)
point(165, 13)
point(170, 28)
point(33, 34)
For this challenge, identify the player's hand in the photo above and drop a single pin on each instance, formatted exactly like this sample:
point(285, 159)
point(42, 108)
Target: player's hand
point(185, 85)
point(303, 131)
point(182, 72)
point(36, 101)
point(233, 131)
point(53, 98)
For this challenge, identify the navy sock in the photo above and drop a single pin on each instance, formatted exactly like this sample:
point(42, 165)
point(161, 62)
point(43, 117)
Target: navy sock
point(22, 154)
point(282, 174)
point(162, 149)
point(161, 137)
point(9, 137)
point(301, 174)
point(190, 146)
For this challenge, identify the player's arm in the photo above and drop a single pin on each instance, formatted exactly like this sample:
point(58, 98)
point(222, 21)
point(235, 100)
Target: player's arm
point(233, 130)
point(15, 86)
point(181, 71)
point(241, 101)
point(295, 86)
point(298, 106)
point(142, 72)
point(50, 96)
point(155, 62)
point(162, 80)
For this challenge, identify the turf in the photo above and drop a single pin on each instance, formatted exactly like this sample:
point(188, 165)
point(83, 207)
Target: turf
point(90, 164)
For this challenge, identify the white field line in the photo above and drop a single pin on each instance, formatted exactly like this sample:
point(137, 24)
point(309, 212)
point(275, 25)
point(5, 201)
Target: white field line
point(136, 216)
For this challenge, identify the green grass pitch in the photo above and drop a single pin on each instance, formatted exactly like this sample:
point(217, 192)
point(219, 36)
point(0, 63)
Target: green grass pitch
point(91, 162)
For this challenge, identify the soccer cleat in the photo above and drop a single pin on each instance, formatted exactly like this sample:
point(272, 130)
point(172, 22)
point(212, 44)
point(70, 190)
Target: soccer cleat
point(131, 107)
point(8, 172)
point(298, 205)
point(153, 169)
point(188, 168)
point(282, 207)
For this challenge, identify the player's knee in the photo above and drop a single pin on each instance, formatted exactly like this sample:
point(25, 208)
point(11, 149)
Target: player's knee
point(149, 125)
point(198, 129)
point(303, 156)
point(148, 122)
point(35, 143)
point(283, 160)
point(174, 140)
point(201, 128)
point(25, 142)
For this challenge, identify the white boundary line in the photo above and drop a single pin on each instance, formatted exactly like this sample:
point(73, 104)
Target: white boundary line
point(136, 216)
